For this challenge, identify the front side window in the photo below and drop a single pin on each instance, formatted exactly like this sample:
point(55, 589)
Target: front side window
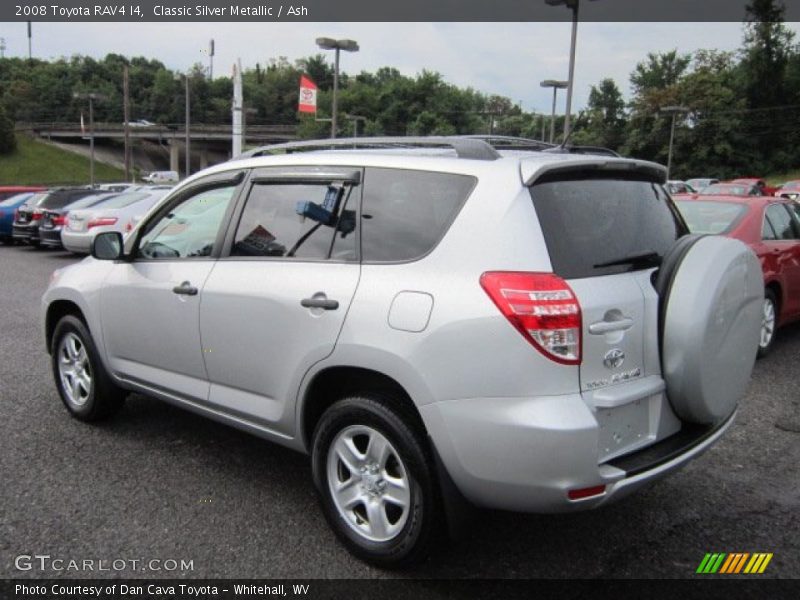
point(312, 221)
point(188, 230)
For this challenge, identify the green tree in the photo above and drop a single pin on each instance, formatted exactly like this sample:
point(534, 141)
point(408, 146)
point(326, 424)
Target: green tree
point(603, 121)
point(8, 143)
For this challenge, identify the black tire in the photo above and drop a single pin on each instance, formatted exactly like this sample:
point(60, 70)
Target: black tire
point(424, 520)
point(104, 398)
point(764, 349)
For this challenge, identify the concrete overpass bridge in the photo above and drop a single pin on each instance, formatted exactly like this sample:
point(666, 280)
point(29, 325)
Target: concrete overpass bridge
point(203, 138)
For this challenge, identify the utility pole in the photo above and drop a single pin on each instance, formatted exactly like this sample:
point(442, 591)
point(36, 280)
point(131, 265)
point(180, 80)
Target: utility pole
point(2, 47)
point(211, 60)
point(674, 111)
point(126, 109)
point(91, 96)
point(30, 51)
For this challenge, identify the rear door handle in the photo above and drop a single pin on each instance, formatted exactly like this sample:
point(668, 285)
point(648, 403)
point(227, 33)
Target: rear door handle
point(319, 300)
point(602, 327)
point(186, 288)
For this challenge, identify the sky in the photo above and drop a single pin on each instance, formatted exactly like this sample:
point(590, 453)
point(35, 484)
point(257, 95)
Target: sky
point(509, 59)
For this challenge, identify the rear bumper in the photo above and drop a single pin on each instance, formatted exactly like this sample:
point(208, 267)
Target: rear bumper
point(526, 454)
point(25, 232)
point(76, 243)
point(50, 237)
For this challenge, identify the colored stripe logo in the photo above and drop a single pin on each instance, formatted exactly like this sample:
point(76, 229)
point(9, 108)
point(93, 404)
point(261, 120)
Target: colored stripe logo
point(734, 563)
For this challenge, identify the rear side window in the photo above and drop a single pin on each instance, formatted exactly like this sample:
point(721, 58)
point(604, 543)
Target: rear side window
point(590, 221)
point(781, 222)
point(406, 213)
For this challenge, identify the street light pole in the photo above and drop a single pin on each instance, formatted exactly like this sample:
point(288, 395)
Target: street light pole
point(188, 148)
point(674, 111)
point(335, 93)
point(573, 6)
point(571, 78)
point(556, 85)
point(337, 46)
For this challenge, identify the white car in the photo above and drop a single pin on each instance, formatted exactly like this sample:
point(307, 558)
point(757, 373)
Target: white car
point(115, 214)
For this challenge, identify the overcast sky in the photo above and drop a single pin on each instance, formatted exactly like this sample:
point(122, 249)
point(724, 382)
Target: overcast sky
point(497, 58)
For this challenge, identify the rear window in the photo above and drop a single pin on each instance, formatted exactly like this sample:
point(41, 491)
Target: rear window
point(711, 217)
point(405, 213)
point(589, 220)
point(123, 200)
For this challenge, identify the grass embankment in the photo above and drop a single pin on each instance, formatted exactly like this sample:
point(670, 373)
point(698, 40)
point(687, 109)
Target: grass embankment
point(37, 163)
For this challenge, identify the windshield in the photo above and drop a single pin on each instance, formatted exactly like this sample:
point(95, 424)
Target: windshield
point(711, 217)
point(123, 200)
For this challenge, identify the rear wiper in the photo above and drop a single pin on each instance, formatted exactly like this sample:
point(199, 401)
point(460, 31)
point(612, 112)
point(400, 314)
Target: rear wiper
point(651, 259)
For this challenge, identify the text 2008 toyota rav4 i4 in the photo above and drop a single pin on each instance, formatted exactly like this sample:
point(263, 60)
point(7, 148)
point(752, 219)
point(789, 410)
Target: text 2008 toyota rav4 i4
point(436, 327)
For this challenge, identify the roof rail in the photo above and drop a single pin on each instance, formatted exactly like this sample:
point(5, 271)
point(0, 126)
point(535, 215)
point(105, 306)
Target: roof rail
point(465, 147)
point(582, 150)
point(508, 142)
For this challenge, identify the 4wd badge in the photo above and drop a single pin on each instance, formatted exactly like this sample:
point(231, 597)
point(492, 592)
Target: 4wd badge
point(614, 358)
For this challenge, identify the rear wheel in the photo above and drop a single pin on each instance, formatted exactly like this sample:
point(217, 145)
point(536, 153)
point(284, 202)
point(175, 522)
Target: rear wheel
point(83, 383)
point(376, 483)
point(769, 322)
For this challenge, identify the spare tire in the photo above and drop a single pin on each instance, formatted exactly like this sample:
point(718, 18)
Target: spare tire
point(711, 291)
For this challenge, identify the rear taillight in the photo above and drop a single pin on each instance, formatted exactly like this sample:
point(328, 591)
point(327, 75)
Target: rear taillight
point(102, 221)
point(543, 308)
point(16, 215)
point(37, 214)
point(59, 220)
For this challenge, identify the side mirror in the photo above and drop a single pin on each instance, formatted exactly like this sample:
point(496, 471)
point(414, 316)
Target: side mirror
point(107, 246)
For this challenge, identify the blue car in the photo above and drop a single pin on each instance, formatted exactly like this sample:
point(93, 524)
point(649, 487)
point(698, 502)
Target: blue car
point(7, 209)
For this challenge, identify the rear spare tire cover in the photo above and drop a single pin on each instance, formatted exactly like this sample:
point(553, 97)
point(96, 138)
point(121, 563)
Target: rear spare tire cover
point(711, 326)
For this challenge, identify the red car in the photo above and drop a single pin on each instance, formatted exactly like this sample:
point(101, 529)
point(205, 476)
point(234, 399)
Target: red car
point(763, 188)
point(771, 227)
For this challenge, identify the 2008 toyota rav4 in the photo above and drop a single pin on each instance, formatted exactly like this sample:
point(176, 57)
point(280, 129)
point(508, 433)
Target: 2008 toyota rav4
point(529, 331)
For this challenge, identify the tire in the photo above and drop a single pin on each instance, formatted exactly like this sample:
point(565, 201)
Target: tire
point(369, 523)
point(769, 323)
point(74, 358)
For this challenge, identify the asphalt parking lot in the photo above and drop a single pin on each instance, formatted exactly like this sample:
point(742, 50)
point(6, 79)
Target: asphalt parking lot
point(160, 483)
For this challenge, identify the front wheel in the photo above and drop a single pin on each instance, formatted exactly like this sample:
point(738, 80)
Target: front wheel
point(83, 383)
point(769, 322)
point(376, 483)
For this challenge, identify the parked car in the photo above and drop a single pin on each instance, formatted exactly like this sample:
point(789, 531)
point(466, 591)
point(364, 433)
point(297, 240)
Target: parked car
point(680, 187)
point(763, 188)
point(161, 177)
point(30, 215)
point(54, 219)
point(698, 183)
point(530, 331)
point(771, 227)
point(114, 214)
point(8, 208)
point(732, 189)
point(790, 190)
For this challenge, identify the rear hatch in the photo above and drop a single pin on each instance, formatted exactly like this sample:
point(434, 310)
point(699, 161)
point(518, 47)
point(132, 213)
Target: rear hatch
point(606, 232)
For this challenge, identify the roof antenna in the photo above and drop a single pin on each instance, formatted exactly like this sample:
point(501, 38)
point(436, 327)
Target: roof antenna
point(563, 145)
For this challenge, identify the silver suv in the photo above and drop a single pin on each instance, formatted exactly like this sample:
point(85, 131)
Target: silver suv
point(439, 327)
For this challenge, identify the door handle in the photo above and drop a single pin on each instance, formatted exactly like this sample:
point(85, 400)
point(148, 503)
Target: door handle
point(186, 288)
point(319, 300)
point(602, 327)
